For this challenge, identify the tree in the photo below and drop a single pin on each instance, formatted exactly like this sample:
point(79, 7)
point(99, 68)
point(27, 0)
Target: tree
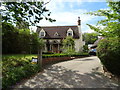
point(14, 40)
point(68, 45)
point(31, 12)
point(111, 23)
point(34, 43)
point(90, 38)
point(22, 25)
point(24, 40)
point(40, 47)
point(108, 49)
point(9, 38)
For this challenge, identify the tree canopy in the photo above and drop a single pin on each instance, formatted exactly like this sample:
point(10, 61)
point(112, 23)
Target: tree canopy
point(90, 38)
point(30, 12)
point(22, 14)
point(108, 49)
point(112, 22)
point(16, 41)
point(68, 44)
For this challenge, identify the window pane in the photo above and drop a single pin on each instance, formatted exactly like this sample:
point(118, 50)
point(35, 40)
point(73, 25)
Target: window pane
point(42, 33)
point(69, 33)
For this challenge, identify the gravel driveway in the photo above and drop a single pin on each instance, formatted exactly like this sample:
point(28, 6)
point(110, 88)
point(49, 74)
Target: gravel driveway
point(76, 73)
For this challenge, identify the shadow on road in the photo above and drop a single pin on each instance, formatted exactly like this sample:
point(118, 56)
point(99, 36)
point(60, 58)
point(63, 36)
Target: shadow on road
point(84, 59)
point(92, 58)
point(60, 77)
point(87, 59)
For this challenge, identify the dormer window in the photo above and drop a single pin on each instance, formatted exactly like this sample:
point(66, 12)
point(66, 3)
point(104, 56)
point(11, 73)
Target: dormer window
point(42, 33)
point(70, 32)
point(56, 34)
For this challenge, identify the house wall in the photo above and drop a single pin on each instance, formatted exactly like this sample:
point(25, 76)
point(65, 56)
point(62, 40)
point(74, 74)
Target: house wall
point(77, 45)
point(79, 42)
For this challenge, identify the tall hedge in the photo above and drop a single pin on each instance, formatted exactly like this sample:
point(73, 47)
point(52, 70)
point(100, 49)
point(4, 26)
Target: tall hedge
point(108, 51)
point(16, 41)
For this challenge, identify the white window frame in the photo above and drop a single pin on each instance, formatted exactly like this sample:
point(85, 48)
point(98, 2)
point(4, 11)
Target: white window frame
point(42, 31)
point(70, 31)
point(56, 34)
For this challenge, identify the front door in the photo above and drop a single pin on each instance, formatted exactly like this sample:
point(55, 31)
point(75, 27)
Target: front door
point(55, 48)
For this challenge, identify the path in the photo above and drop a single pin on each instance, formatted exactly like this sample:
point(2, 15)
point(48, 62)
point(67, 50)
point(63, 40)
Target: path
point(77, 73)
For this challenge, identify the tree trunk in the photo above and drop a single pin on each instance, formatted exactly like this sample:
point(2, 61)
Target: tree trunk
point(40, 58)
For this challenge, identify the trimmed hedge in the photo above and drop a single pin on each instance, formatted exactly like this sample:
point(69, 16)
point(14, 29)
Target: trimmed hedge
point(108, 51)
point(64, 55)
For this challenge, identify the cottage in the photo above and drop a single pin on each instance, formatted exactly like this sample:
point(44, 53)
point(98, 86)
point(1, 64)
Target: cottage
point(53, 36)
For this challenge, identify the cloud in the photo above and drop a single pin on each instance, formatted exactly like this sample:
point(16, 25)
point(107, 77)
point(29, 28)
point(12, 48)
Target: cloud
point(65, 14)
point(81, 0)
point(70, 18)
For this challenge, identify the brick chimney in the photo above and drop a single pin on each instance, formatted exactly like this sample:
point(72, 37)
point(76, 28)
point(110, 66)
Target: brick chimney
point(79, 21)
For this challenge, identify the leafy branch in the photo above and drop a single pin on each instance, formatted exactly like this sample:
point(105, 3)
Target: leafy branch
point(31, 12)
point(111, 23)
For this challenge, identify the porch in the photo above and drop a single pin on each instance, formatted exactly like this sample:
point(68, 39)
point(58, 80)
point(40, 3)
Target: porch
point(53, 46)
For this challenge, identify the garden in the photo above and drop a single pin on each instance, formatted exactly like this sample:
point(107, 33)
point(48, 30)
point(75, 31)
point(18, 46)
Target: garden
point(20, 45)
point(17, 67)
point(18, 53)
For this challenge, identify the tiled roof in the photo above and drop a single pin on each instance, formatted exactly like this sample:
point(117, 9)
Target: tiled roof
point(96, 42)
point(61, 30)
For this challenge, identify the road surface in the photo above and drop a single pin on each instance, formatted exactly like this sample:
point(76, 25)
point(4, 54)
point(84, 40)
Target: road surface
point(76, 73)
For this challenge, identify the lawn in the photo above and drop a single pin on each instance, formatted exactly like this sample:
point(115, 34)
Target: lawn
point(19, 55)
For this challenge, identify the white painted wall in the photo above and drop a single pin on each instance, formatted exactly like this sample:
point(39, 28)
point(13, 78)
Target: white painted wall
point(78, 42)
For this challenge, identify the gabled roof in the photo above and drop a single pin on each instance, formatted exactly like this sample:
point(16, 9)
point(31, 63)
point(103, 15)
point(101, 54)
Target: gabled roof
point(96, 42)
point(61, 30)
point(56, 34)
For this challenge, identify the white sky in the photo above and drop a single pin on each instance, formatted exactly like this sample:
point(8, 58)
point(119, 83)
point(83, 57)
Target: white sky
point(66, 12)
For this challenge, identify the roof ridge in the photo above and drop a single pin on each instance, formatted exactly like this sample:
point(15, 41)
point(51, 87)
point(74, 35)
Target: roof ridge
point(59, 26)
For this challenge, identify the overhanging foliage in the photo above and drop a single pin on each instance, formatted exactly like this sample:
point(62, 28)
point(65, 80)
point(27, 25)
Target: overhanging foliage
point(31, 12)
point(111, 23)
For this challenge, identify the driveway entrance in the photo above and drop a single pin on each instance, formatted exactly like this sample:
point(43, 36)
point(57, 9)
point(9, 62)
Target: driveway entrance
point(77, 73)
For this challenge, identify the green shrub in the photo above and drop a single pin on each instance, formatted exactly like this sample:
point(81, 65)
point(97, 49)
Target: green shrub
point(108, 51)
point(16, 69)
point(85, 48)
point(64, 54)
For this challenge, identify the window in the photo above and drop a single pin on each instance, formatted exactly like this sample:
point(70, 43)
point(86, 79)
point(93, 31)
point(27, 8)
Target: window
point(56, 34)
point(42, 33)
point(70, 32)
